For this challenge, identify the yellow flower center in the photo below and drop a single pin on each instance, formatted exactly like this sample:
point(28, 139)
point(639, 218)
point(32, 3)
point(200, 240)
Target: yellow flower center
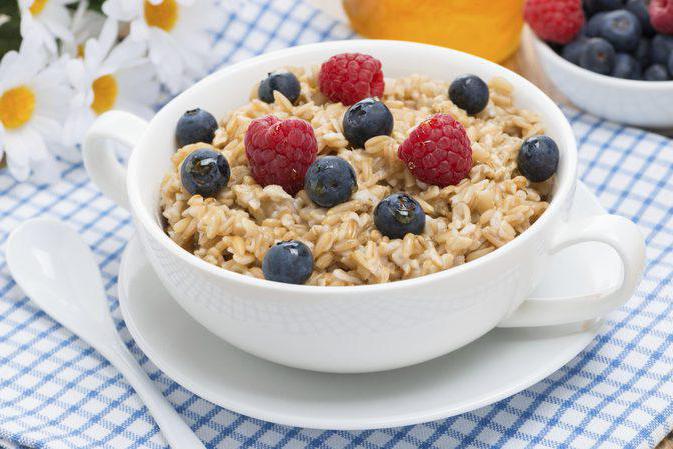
point(104, 93)
point(164, 15)
point(16, 107)
point(80, 51)
point(37, 7)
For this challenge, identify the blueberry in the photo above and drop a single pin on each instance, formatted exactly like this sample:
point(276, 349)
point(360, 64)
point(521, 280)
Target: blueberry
point(622, 29)
point(366, 119)
point(661, 48)
point(639, 9)
point(626, 66)
point(593, 6)
point(670, 65)
point(469, 92)
point(204, 172)
point(593, 26)
point(656, 72)
point(290, 262)
point(538, 158)
point(573, 50)
point(329, 181)
point(598, 56)
point(284, 82)
point(195, 126)
point(642, 53)
point(398, 215)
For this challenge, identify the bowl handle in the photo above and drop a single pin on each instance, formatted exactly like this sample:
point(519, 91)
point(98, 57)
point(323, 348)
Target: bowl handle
point(100, 159)
point(615, 231)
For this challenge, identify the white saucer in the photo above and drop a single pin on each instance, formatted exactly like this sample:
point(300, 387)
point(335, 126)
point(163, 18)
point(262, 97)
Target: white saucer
point(500, 364)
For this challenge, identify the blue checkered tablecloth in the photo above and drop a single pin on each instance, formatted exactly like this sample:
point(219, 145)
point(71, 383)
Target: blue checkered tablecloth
point(56, 392)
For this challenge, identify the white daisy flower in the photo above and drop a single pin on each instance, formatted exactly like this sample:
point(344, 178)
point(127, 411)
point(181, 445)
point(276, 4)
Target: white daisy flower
point(109, 77)
point(176, 31)
point(123, 10)
point(86, 24)
point(44, 21)
point(33, 98)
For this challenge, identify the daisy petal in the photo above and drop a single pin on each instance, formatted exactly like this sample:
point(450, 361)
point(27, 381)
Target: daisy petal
point(18, 161)
point(122, 10)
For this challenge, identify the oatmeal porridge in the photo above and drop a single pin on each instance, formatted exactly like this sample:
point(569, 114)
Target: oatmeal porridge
point(400, 182)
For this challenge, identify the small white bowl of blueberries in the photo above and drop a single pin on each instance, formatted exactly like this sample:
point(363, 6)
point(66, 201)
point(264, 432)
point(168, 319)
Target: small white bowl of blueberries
point(612, 58)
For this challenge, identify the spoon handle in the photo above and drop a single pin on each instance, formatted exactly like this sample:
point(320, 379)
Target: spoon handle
point(177, 433)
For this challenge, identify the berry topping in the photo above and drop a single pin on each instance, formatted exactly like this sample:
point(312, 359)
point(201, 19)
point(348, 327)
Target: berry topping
point(593, 26)
point(621, 38)
point(195, 126)
point(556, 21)
point(661, 48)
point(639, 9)
point(204, 172)
point(290, 262)
point(573, 50)
point(642, 53)
point(438, 151)
point(284, 82)
point(598, 56)
point(622, 29)
point(626, 66)
point(398, 215)
point(280, 151)
point(351, 77)
point(656, 72)
point(329, 181)
point(661, 15)
point(469, 92)
point(538, 158)
point(366, 119)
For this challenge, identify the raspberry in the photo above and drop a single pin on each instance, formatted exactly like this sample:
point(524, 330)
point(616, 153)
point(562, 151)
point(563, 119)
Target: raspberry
point(438, 151)
point(661, 15)
point(351, 77)
point(280, 151)
point(556, 21)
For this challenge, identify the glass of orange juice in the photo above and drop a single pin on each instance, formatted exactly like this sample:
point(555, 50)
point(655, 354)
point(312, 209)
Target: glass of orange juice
point(487, 28)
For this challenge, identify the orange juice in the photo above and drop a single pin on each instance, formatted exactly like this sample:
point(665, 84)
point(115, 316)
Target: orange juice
point(486, 28)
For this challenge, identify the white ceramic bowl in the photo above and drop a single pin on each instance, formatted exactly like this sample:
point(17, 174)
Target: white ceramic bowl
point(360, 328)
point(647, 104)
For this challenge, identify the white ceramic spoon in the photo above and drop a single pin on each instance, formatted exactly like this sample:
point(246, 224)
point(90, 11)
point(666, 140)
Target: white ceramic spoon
point(57, 270)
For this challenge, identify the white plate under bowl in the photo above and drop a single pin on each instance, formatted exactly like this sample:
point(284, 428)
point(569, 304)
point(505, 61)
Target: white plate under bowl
point(498, 365)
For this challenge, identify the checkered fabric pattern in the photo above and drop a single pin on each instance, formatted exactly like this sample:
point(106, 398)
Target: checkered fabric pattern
point(56, 392)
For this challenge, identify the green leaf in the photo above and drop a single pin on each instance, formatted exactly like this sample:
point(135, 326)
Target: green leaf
point(10, 36)
point(10, 7)
point(96, 5)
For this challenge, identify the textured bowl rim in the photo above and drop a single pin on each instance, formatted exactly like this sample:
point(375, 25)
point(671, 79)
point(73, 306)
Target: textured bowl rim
point(144, 217)
point(543, 47)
